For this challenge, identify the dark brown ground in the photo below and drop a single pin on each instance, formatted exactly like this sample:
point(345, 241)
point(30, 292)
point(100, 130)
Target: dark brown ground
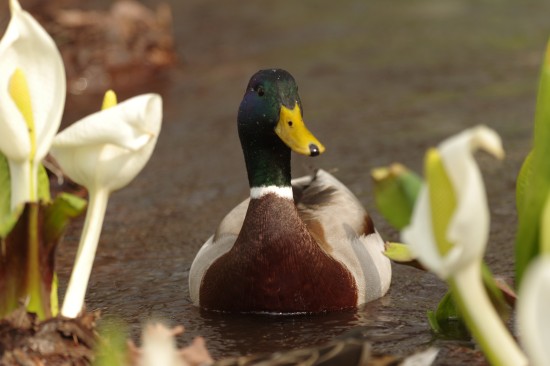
point(380, 82)
point(26, 341)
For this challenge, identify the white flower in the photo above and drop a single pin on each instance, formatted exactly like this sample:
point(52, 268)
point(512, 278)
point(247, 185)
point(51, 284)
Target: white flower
point(107, 149)
point(32, 98)
point(104, 152)
point(533, 317)
point(468, 227)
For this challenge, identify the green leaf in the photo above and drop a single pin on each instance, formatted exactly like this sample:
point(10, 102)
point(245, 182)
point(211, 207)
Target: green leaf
point(65, 207)
point(545, 228)
point(534, 180)
point(524, 177)
point(399, 252)
point(395, 192)
point(43, 184)
point(7, 217)
point(446, 321)
point(495, 293)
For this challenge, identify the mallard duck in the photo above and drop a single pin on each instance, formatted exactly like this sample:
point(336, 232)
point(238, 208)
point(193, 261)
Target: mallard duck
point(301, 246)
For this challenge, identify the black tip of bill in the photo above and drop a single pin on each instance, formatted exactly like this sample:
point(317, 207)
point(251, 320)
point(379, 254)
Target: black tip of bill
point(314, 150)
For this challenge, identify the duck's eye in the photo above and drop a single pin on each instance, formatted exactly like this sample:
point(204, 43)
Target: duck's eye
point(260, 91)
point(290, 123)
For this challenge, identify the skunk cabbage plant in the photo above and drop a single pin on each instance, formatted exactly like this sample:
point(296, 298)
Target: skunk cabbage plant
point(449, 230)
point(104, 152)
point(32, 98)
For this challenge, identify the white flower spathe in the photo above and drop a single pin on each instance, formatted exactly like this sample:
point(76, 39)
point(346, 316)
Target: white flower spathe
point(468, 228)
point(107, 149)
point(27, 49)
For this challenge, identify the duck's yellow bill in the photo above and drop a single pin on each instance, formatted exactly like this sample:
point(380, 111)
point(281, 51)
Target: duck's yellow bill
point(292, 130)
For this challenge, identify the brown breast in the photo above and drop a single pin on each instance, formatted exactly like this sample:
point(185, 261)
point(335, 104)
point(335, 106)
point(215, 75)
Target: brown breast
point(276, 266)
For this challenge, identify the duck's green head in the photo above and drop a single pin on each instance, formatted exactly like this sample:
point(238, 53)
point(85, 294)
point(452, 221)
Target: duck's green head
point(271, 112)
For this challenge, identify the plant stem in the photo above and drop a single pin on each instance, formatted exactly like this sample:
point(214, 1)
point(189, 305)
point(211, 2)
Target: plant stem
point(486, 326)
point(20, 177)
point(38, 301)
point(76, 290)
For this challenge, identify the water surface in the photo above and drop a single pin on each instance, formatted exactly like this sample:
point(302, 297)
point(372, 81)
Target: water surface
point(380, 82)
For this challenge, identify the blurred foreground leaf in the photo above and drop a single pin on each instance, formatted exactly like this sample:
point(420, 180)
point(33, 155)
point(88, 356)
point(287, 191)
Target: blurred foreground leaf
point(395, 192)
point(534, 179)
point(111, 349)
point(544, 247)
point(525, 175)
point(495, 293)
point(446, 321)
point(399, 252)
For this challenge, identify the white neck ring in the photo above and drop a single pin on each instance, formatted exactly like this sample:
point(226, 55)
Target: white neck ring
point(283, 192)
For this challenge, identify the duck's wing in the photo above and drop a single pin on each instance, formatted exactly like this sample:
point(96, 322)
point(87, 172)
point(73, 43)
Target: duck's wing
point(216, 246)
point(232, 222)
point(342, 227)
point(321, 197)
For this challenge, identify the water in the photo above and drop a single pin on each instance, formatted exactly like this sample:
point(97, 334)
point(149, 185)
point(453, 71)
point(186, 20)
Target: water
point(380, 82)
